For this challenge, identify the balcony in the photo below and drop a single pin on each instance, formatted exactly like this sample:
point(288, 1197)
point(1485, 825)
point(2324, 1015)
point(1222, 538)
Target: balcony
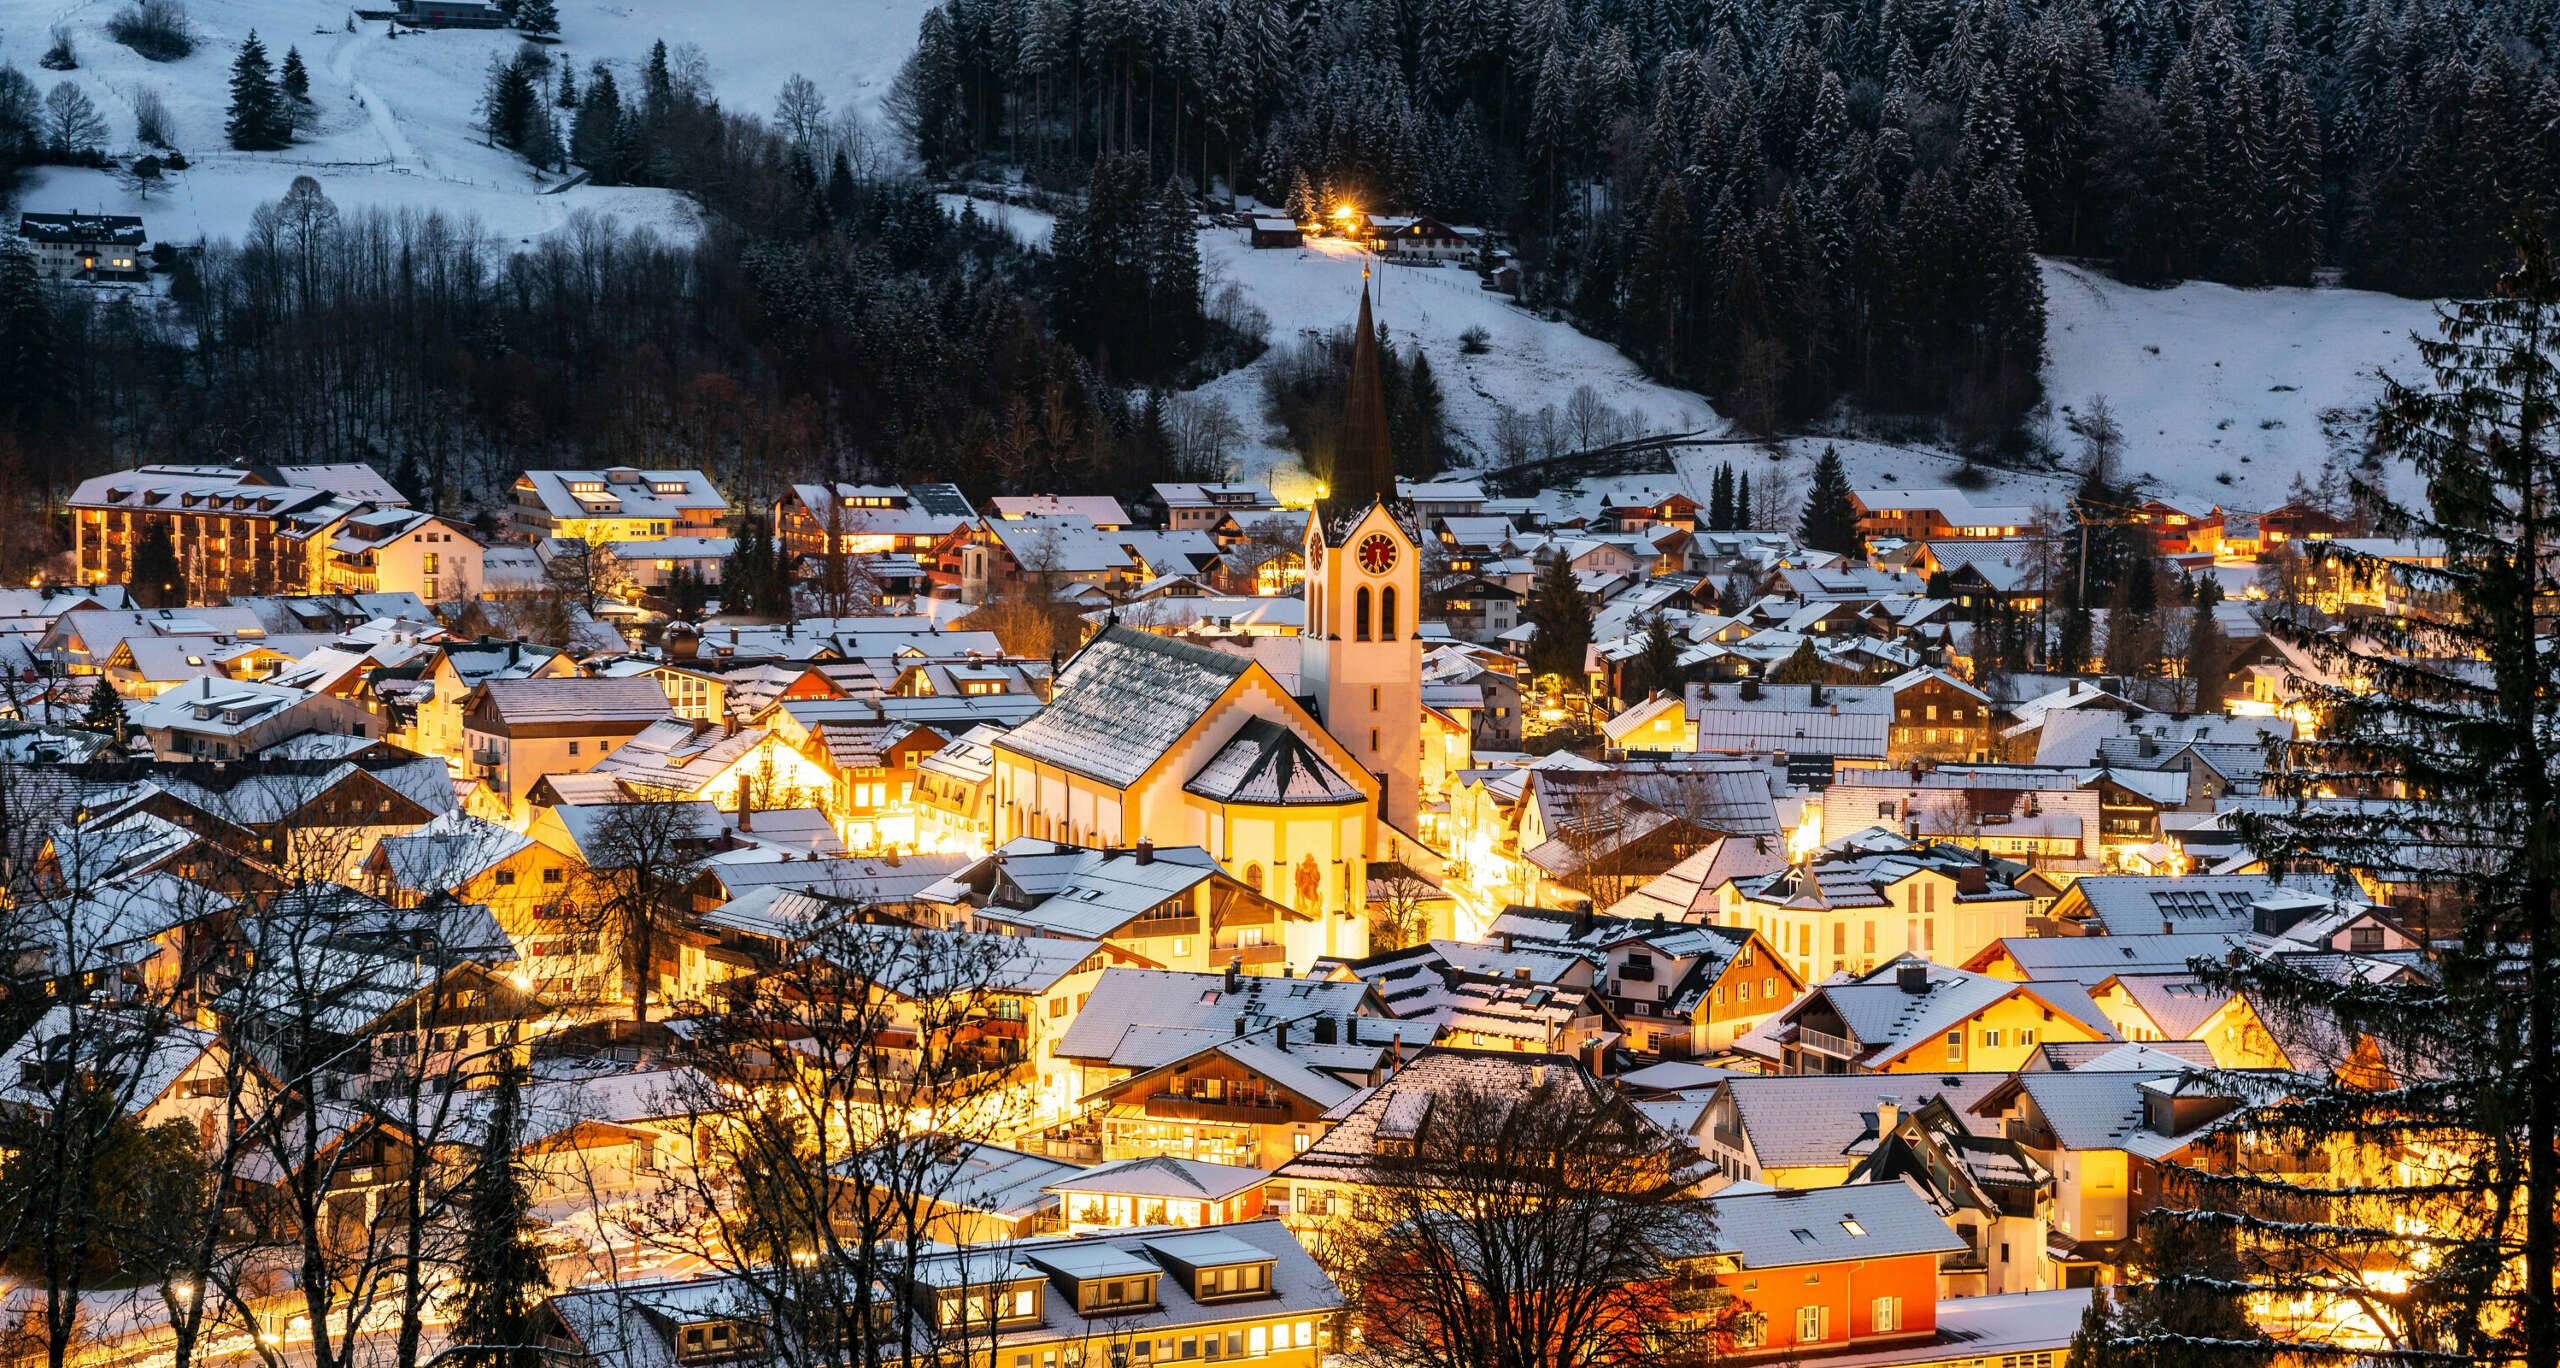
point(1151, 927)
point(1235, 1111)
point(1253, 956)
point(1825, 1043)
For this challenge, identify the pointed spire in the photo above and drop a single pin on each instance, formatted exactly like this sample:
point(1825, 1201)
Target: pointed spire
point(1364, 468)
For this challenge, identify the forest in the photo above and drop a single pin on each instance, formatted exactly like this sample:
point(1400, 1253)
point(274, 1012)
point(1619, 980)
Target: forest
point(1792, 204)
point(831, 322)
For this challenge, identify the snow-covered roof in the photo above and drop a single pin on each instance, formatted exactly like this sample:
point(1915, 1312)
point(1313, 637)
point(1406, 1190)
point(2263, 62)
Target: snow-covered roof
point(1122, 703)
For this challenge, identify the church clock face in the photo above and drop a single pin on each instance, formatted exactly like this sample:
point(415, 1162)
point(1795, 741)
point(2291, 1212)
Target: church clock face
point(1377, 553)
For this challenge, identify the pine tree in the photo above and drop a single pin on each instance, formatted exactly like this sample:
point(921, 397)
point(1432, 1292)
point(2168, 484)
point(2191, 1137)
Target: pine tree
point(1302, 204)
point(1743, 517)
point(1804, 665)
point(511, 104)
point(1830, 521)
point(27, 338)
point(567, 97)
point(1735, 595)
point(104, 710)
point(156, 579)
point(2208, 663)
point(1657, 666)
point(295, 80)
point(538, 16)
point(2446, 713)
point(499, 1274)
point(1720, 499)
point(256, 111)
point(1561, 618)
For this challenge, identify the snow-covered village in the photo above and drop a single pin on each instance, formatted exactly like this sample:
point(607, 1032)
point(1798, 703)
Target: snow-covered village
point(1337, 683)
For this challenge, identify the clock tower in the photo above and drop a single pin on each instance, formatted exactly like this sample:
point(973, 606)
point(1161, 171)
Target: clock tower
point(1359, 660)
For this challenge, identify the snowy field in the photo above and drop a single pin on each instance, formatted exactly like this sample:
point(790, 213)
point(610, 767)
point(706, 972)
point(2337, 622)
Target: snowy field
point(2211, 382)
point(394, 123)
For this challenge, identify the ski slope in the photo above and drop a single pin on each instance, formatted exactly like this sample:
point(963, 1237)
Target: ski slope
point(394, 115)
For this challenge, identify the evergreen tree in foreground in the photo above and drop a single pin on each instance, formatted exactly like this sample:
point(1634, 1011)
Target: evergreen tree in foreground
point(499, 1275)
point(2439, 1216)
point(1830, 521)
point(1562, 618)
point(257, 121)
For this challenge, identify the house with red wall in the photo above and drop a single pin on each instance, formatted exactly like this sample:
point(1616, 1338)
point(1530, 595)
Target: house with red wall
point(1830, 1270)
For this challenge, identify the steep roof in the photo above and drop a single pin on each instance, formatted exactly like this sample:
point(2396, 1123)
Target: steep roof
point(1125, 699)
point(1830, 1225)
point(576, 698)
point(1267, 764)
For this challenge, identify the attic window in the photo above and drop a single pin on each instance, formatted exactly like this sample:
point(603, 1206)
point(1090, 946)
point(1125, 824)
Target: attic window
point(1850, 1224)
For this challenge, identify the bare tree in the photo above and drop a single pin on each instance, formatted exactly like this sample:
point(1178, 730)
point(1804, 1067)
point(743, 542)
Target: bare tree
point(641, 862)
point(584, 573)
point(1548, 1227)
point(837, 1098)
point(800, 111)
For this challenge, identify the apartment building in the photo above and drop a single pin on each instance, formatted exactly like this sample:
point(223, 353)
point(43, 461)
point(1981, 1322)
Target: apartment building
point(235, 529)
point(618, 504)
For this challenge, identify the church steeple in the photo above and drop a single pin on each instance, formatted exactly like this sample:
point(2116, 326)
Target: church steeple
point(1364, 467)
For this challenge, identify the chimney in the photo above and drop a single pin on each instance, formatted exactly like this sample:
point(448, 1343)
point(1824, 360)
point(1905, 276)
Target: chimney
point(1325, 1030)
point(1972, 878)
point(1912, 977)
point(1750, 690)
point(1583, 921)
point(1888, 1112)
point(2075, 689)
point(1239, 1028)
point(1146, 851)
point(746, 805)
point(1813, 694)
point(1506, 942)
point(1351, 1028)
point(728, 723)
point(1235, 979)
point(1280, 1036)
point(1520, 972)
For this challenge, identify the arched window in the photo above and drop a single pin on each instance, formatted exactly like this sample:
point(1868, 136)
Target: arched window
point(1360, 614)
point(1253, 877)
point(1387, 613)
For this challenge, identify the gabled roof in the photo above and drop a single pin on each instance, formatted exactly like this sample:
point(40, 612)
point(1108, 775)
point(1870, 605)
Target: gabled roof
point(575, 698)
point(1885, 1021)
point(2092, 960)
point(1819, 1120)
point(1829, 1225)
point(1071, 890)
point(1266, 764)
point(1164, 1176)
point(1174, 1013)
point(1123, 702)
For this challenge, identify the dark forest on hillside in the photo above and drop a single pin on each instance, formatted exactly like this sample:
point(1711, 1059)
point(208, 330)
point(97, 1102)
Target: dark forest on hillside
point(1790, 204)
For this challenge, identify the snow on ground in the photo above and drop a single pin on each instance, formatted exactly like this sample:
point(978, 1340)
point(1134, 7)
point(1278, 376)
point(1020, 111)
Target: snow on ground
point(2211, 382)
point(1530, 363)
point(1030, 227)
point(393, 116)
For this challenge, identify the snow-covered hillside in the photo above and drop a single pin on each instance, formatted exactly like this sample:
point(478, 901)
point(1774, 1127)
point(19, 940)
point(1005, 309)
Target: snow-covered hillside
point(394, 116)
point(2224, 394)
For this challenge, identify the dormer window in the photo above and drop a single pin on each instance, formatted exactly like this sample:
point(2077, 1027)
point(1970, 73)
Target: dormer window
point(1104, 1295)
point(713, 1341)
point(1010, 1306)
point(1229, 1283)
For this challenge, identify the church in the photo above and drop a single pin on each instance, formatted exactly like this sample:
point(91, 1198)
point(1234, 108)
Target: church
point(1153, 739)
